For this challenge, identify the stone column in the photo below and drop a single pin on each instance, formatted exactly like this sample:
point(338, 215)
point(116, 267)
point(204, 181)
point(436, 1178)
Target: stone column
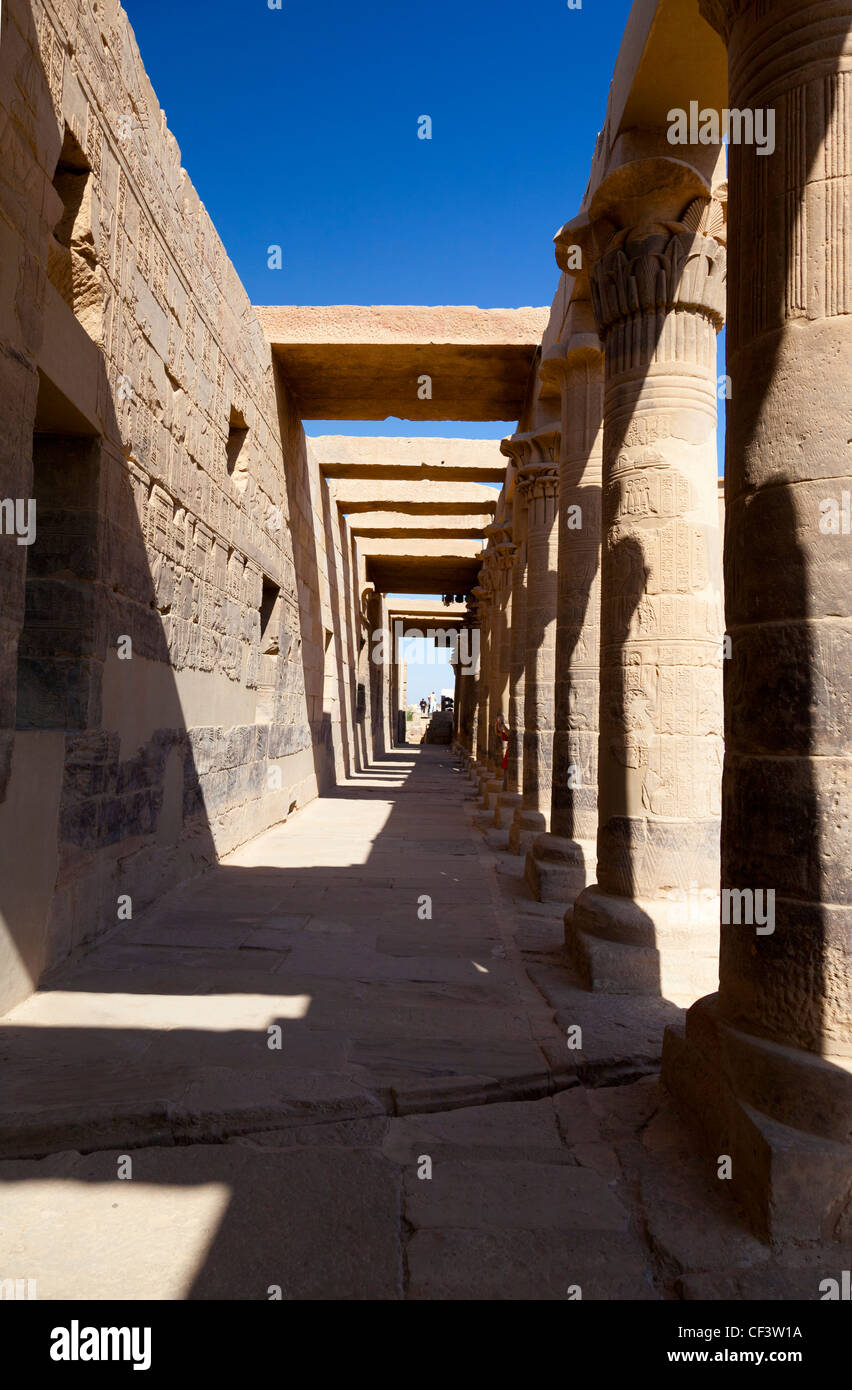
point(765, 1067)
point(649, 923)
point(488, 600)
point(540, 483)
point(562, 862)
point(482, 598)
point(395, 700)
point(492, 782)
point(376, 617)
point(465, 711)
point(476, 684)
point(504, 553)
point(389, 713)
point(499, 552)
point(510, 799)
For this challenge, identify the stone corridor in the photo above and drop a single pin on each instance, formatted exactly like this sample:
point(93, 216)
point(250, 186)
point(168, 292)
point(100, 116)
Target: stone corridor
point(561, 1008)
point(555, 1173)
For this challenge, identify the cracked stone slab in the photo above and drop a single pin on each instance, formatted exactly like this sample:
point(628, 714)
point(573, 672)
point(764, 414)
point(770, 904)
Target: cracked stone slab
point(439, 1057)
point(514, 1130)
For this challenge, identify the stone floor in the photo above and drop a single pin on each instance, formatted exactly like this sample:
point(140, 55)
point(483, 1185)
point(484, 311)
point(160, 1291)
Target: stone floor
point(418, 1005)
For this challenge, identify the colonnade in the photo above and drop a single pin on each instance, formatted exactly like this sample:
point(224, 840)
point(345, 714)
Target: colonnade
point(714, 871)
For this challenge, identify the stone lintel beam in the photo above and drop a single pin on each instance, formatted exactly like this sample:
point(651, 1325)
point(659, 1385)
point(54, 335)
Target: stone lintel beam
point(414, 460)
point(416, 610)
point(421, 549)
point(441, 526)
point(421, 566)
point(415, 499)
point(354, 362)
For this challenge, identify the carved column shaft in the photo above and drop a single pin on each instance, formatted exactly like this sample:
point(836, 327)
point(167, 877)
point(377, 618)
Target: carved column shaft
point(562, 862)
point(540, 484)
point(787, 573)
point(517, 644)
point(773, 1048)
point(466, 687)
point(482, 597)
point(499, 694)
point(659, 300)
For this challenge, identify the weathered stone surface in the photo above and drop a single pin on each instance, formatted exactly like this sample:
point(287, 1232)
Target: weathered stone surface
point(537, 479)
point(414, 460)
point(220, 1222)
point(348, 362)
point(660, 702)
point(560, 863)
point(188, 656)
point(500, 1195)
point(782, 1023)
point(526, 1265)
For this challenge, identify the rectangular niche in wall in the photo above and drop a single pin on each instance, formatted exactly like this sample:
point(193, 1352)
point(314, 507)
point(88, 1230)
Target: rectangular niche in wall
point(61, 646)
point(270, 621)
point(72, 265)
point(235, 450)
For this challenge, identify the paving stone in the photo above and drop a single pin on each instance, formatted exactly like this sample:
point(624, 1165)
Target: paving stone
point(575, 1116)
point(495, 1196)
point(522, 1129)
point(206, 1222)
point(437, 1057)
point(400, 1037)
point(767, 1282)
point(367, 1133)
point(535, 1265)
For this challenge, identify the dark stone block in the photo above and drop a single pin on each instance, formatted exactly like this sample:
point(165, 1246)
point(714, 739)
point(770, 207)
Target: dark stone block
point(78, 823)
point(58, 694)
point(91, 765)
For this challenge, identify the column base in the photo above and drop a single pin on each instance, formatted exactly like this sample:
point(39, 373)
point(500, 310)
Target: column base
point(557, 869)
point(490, 788)
point(504, 810)
point(782, 1115)
point(656, 946)
point(482, 775)
point(525, 829)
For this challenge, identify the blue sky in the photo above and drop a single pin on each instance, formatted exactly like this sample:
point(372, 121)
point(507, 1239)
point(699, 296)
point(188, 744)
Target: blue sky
point(298, 127)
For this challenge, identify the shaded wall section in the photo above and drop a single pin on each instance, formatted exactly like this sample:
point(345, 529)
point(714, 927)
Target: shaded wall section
point(159, 657)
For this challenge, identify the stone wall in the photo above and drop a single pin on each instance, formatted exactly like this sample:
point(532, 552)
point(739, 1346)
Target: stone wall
point(166, 679)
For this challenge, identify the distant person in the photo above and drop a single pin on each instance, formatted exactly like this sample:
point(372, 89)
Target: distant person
point(433, 703)
point(501, 729)
point(424, 705)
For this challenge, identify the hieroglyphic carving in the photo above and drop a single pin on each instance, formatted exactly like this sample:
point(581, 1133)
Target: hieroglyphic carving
point(538, 483)
point(659, 301)
point(641, 290)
